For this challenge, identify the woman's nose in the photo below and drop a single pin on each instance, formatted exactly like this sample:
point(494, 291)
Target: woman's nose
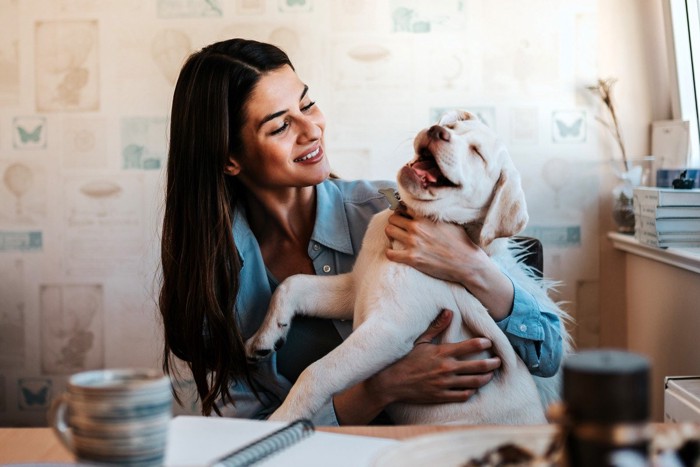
point(311, 129)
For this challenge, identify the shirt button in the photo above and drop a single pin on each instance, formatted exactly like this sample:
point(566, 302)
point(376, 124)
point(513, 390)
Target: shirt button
point(523, 328)
point(316, 247)
point(326, 268)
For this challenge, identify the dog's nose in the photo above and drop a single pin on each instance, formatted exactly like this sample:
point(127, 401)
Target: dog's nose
point(438, 132)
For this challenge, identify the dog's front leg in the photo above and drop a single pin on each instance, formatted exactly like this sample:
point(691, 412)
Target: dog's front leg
point(375, 344)
point(328, 297)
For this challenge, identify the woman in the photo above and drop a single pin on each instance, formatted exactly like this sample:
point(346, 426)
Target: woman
point(247, 156)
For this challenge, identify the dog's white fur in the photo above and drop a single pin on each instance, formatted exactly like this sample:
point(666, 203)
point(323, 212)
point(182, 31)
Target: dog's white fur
point(392, 304)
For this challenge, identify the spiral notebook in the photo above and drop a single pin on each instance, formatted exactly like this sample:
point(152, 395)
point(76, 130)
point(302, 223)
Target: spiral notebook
point(202, 441)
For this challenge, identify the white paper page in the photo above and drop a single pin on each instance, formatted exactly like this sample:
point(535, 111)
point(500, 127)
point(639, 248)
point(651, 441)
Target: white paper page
point(198, 441)
point(670, 140)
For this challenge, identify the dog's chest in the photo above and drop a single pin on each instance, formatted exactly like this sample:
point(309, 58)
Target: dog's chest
point(395, 292)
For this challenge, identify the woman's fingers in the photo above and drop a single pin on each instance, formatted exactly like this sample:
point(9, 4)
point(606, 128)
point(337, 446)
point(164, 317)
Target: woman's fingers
point(439, 373)
point(467, 374)
point(455, 353)
point(454, 395)
point(463, 382)
point(459, 388)
point(469, 367)
point(400, 221)
point(409, 232)
point(467, 347)
point(437, 327)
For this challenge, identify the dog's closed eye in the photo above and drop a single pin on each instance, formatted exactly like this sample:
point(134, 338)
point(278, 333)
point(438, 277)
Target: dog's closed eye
point(475, 148)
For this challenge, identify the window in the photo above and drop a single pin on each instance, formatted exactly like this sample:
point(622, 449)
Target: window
point(683, 37)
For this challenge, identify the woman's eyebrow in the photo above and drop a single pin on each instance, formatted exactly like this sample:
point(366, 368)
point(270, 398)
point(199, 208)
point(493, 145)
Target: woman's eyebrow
point(281, 112)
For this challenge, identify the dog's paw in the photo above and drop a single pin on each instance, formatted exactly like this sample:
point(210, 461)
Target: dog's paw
point(288, 413)
point(261, 346)
point(279, 416)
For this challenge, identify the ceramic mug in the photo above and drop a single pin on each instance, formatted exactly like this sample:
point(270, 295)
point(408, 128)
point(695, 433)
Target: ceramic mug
point(116, 416)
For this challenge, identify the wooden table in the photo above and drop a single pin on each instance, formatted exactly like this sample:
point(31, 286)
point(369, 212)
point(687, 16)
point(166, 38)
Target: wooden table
point(20, 445)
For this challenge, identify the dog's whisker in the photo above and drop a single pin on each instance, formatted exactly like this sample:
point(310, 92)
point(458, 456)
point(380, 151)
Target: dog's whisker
point(401, 144)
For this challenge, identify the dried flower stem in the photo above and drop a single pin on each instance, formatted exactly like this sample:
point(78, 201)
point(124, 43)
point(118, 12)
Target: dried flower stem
point(604, 90)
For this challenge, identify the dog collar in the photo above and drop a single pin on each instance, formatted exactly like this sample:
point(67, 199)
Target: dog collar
point(395, 203)
point(393, 197)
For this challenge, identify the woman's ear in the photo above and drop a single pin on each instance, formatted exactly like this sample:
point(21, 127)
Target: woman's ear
point(232, 167)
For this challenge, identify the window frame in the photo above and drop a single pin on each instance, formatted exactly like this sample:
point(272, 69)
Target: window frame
point(682, 24)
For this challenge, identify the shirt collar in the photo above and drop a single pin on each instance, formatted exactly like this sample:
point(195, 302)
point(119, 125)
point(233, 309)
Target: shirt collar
point(242, 235)
point(331, 229)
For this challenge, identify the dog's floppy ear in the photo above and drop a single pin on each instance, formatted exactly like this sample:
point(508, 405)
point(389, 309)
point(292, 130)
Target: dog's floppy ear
point(454, 116)
point(507, 212)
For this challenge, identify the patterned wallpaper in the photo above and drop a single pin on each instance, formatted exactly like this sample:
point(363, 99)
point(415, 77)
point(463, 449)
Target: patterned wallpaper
point(85, 88)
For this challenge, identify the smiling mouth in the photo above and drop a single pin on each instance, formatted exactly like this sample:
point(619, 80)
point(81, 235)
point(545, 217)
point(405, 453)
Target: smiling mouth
point(310, 155)
point(427, 169)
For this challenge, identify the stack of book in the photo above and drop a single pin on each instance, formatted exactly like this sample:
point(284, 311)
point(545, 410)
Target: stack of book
point(665, 217)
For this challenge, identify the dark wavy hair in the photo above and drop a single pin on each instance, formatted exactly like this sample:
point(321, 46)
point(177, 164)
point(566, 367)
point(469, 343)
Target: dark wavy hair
point(200, 263)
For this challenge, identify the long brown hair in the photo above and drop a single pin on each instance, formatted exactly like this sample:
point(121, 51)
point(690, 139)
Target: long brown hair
point(200, 263)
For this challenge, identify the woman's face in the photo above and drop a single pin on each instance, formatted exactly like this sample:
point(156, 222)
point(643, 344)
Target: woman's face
point(282, 136)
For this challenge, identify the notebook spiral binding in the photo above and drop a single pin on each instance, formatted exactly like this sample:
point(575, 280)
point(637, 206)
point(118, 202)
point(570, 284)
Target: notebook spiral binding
point(268, 445)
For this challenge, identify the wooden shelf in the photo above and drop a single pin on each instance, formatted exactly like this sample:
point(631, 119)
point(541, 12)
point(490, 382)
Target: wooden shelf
point(685, 258)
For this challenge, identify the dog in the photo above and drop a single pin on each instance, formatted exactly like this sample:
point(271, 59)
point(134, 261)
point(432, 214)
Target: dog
point(460, 173)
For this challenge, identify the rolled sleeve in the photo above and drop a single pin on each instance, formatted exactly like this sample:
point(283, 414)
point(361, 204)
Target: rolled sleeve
point(534, 332)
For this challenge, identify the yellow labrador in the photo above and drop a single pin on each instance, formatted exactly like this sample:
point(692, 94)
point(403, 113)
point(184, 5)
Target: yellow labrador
point(461, 173)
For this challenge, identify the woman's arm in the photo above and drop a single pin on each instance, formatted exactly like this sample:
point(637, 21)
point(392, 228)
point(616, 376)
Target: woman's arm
point(535, 331)
point(446, 252)
point(430, 373)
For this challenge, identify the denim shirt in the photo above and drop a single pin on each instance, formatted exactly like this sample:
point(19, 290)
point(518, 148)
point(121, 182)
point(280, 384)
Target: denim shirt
point(343, 211)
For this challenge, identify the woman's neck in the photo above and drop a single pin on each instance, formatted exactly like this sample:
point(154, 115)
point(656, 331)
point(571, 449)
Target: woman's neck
point(283, 225)
point(286, 217)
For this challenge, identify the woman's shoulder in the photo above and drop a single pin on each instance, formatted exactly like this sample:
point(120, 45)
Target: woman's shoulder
point(360, 191)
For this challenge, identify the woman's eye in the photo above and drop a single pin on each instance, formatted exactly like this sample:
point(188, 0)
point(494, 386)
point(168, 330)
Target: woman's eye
point(308, 106)
point(280, 129)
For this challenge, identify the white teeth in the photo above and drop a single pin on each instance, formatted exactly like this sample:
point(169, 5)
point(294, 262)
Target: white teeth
point(308, 156)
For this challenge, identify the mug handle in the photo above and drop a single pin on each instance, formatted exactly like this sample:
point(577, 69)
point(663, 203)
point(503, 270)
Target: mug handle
point(57, 420)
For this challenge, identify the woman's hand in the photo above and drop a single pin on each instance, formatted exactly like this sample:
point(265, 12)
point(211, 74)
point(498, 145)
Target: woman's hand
point(429, 374)
point(435, 373)
point(441, 250)
point(446, 252)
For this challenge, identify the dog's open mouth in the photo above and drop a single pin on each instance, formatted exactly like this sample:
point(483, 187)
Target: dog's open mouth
point(428, 171)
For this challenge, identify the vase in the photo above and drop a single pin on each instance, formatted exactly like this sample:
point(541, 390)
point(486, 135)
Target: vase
point(639, 173)
point(623, 209)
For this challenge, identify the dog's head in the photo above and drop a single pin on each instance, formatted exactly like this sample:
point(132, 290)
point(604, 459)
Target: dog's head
point(462, 173)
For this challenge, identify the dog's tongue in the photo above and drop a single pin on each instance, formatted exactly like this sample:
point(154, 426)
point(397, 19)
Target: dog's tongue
point(428, 170)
